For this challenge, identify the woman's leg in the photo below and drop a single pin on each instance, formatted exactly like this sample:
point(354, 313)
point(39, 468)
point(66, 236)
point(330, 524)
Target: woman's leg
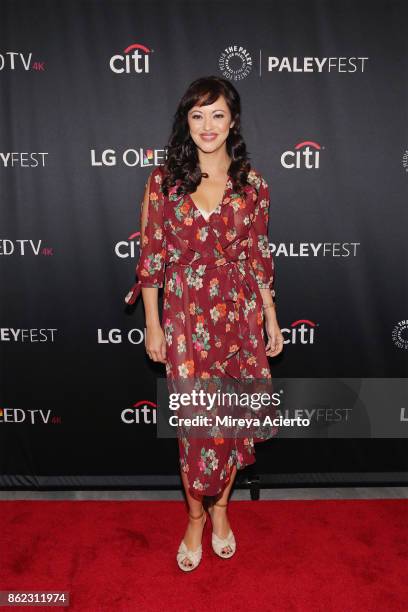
point(218, 513)
point(194, 531)
point(223, 499)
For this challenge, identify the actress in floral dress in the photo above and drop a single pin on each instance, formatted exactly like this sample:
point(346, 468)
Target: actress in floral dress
point(217, 271)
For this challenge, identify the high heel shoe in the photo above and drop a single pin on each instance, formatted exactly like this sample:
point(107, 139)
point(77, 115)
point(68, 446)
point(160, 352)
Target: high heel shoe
point(194, 556)
point(219, 544)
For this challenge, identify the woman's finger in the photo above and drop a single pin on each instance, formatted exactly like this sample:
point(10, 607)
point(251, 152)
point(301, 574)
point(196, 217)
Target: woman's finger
point(163, 352)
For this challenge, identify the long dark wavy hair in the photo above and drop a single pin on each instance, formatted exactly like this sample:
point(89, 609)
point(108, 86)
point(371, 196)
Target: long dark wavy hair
point(182, 158)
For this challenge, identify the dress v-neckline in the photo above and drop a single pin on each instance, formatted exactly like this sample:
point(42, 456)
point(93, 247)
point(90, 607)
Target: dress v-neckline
point(206, 212)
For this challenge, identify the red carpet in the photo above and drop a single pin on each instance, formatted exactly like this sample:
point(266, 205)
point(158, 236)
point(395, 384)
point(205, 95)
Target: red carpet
point(120, 556)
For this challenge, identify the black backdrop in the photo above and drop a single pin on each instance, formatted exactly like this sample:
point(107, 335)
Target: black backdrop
point(84, 119)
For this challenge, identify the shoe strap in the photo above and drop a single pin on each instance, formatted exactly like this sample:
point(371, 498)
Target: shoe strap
point(229, 537)
point(192, 555)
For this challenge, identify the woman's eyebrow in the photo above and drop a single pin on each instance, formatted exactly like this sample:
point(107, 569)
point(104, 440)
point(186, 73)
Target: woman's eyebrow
point(217, 110)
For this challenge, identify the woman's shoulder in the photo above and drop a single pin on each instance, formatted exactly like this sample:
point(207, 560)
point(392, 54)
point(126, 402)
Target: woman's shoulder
point(155, 177)
point(157, 172)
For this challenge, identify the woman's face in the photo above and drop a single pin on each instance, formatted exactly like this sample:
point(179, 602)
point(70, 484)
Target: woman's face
point(210, 125)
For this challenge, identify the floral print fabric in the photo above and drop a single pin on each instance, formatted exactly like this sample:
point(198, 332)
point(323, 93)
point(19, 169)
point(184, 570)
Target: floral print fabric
point(211, 270)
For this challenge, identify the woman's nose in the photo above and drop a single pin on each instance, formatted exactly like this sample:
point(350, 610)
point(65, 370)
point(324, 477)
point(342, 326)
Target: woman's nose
point(208, 124)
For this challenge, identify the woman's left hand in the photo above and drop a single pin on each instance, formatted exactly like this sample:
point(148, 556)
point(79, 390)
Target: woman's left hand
point(275, 339)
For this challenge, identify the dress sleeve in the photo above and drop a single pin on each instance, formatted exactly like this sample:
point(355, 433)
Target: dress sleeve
point(260, 255)
point(151, 263)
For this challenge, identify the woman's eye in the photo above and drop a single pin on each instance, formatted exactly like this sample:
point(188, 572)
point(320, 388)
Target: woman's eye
point(217, 116)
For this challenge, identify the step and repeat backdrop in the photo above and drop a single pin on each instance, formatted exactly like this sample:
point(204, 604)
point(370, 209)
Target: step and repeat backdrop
point(88, 90)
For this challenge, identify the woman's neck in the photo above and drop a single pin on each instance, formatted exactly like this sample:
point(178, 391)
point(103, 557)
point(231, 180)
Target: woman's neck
point(213, 164)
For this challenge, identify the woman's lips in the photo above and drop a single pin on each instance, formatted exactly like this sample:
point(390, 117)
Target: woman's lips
point(208, 136)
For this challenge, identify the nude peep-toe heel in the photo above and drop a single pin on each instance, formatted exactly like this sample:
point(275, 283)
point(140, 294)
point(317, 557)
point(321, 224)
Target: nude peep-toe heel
point(194, 556)
point(219, 543)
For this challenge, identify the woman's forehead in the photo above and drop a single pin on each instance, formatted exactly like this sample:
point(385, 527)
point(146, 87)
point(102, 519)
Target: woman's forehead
point(218, 104)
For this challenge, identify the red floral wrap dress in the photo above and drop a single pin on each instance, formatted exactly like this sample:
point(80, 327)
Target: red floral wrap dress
point(212, 318)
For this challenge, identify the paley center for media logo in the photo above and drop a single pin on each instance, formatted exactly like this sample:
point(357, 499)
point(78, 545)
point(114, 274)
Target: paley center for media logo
point(133, 59)
point(235, 63)
point(400, 334)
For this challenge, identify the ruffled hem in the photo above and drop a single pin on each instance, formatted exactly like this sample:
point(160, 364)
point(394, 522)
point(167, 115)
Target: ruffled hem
point(134, 293)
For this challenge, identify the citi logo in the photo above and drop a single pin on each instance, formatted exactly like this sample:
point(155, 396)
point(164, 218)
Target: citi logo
point(135, 58)
point(306, 154)
point(127, 248)
point(141, 413)
point(301, 331)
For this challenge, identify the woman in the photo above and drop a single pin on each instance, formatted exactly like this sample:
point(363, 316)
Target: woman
point(204, 226)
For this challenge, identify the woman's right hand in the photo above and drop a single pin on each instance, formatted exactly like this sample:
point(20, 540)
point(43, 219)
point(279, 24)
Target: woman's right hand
point(156, 343)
